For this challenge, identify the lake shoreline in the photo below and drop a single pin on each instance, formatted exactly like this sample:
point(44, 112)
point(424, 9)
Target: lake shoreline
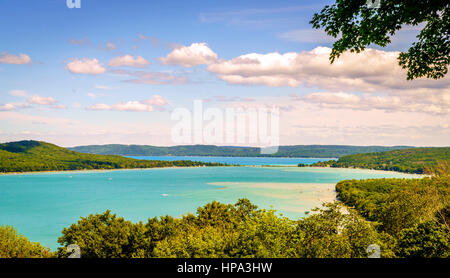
point(105, 170)
point(294, 157)
point(368, 169)
point(182, 167)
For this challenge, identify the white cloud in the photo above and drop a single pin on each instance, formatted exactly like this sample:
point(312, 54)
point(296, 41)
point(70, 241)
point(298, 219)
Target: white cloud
point(134, 106)
point(152, 78)
point(156, 100)
point(18, 93)
point(7, 107)
point(99, 106)
point(388, 103)
point(148, 105)
point(369, 70)
point(189, 56)
point(7, 58)
point(85, 66)
point(129, 61)
point(13, 106)
point(41, 100)
point(38, 100)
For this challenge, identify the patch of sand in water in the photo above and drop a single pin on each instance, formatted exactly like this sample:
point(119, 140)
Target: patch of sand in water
point(297, 197)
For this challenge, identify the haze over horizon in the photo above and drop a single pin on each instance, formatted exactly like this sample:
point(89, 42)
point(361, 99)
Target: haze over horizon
point(112, 73)
point(233, 146)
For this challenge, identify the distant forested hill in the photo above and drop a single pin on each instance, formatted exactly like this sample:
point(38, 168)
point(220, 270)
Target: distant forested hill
point(415, 160)
point(319, 151)
point(27, 156)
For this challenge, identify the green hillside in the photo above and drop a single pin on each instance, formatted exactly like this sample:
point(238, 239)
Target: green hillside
point(416, 160)
point(318, 151)
point(28, 156)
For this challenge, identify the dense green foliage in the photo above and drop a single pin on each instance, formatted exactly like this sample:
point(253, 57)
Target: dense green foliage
point(360, 25)
point(13, 245)
point(28, 156)
point(416, 212)
point(223, 231)
point(417, 160)
point(424, 240)
point(319, 151)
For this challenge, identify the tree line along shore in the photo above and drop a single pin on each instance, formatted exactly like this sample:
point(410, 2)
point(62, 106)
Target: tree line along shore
point(415, 160)
point(34, 156)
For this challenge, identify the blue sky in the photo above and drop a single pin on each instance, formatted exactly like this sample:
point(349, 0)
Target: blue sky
point(64, 88)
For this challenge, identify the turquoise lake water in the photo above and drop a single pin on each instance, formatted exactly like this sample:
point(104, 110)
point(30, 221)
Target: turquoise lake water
point(40, 205)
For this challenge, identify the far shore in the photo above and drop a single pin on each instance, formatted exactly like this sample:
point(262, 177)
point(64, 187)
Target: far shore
point(104, 170)
point(182, 167)
point(261, 156)
point(366, 169)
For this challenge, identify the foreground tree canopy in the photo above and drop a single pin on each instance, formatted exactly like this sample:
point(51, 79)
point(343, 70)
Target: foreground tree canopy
point(359, 25)
point(405, 217)
point(15, 245)
point(225, 231)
